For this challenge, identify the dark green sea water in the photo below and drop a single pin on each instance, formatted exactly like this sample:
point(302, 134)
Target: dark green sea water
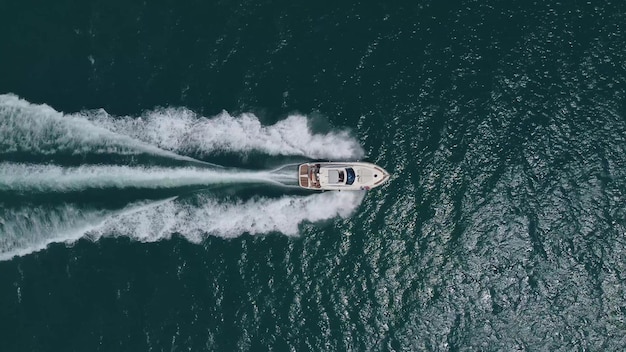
point(138, 210)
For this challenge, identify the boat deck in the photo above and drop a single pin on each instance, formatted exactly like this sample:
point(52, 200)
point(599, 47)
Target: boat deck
point(307, 176)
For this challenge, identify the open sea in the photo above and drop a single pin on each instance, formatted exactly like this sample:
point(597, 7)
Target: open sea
point(148, 154)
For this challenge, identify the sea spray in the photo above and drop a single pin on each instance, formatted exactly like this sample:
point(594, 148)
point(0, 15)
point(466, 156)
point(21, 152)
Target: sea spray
point(170, 132)
point(39, 129)
point(30, 229)
point(53, 178)
point(182, 131)
point(208, 216)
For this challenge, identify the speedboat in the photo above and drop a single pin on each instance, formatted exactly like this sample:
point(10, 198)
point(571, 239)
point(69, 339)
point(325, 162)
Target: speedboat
point(338, 176)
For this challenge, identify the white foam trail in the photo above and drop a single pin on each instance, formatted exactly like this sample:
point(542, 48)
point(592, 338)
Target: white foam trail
point(184, 132)
point(46, 178)
point(28, 230)
point(33, 128)
point(207, 216)
point(26, 127)
point(31, 229)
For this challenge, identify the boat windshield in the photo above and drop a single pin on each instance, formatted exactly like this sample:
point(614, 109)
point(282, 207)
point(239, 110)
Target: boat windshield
point(349, 176)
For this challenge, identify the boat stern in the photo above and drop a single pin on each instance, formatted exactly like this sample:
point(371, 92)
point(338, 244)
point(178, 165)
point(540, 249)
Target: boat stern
point(308, 176)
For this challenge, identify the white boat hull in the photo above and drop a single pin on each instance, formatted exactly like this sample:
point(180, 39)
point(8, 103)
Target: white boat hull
point(339, 176)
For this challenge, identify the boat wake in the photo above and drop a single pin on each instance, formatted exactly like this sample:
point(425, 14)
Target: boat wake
point(171, 133)
point(40, 135)
point(32, 228)
point(52, 178)
point(181, 131)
